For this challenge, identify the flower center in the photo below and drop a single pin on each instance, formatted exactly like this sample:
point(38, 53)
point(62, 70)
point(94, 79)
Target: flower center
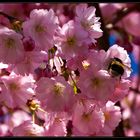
point(57, 119)
point(71, 41)
point(13, 86)
point(86, 116)
point(10, 43)
point(39, 29)
point(85, 24)
point(58, 88)
point(96, 82)
point(107, 116)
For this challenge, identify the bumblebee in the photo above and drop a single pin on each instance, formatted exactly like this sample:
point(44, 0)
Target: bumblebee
point(116, 67)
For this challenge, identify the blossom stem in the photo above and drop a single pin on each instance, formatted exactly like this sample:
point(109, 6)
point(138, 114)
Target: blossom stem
point(74, 84)
point(33, 117)
point(41, 110)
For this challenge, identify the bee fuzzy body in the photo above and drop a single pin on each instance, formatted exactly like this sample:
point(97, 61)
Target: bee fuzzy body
point(116, 67)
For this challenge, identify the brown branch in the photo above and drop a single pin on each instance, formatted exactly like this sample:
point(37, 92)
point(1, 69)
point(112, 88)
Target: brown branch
point(119, 131)
point(10, 18)
point(136, 90)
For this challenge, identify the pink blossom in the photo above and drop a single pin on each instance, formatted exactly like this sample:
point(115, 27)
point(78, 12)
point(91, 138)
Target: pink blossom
point(131, 23)
point(135, 52)
point(67, 41)
point(32, 60)
point(4, 129)
point(55, 125)
point(13, 9)
point(130, 133)
point(133, 105)
point(96, 84)
point(16, 90)
point(41, 27)
point(128, 100)
point(2, 65)
point(4, 21)
point(55, 94)
point(76, 62)
point(16, 118)
point(96, 59)
point(11, 46)
point(87, 117)
point(108, 10)
point(116, 51)
point(56, 63)
point(63, 19)
point(112, 117)
point(87, 25)
point(121, 90)
point(28, 128)
point(76, 133)
point(135, 120)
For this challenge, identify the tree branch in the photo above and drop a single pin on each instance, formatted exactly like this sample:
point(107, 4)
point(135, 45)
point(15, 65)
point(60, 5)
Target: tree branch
point(10, 18)
point(119, 131)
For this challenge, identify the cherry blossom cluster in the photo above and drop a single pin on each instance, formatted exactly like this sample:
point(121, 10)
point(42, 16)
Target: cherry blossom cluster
point(53, 79)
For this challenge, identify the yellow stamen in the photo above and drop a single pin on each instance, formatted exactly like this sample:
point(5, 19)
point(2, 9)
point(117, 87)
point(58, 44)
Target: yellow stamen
point(71, 41)
point(59, 88)
point(17, 26)
point(85, 64)
point(96, 82)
